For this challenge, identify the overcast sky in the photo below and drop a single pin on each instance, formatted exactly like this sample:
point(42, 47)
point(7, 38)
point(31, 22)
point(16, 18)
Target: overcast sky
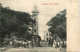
point(46, 12)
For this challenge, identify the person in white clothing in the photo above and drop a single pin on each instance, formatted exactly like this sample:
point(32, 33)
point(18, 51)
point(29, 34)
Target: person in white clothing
point(58, 43)
point(54, 43)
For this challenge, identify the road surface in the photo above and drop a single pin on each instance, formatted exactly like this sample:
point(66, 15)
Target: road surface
point(36, 49)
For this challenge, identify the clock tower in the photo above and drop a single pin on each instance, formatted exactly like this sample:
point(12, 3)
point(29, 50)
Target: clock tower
point(35, 38)
point(35, 13)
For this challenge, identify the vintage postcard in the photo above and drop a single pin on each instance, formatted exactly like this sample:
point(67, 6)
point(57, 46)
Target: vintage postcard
point(39, 26)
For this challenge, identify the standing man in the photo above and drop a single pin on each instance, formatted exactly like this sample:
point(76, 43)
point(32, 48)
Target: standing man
point(10, 43)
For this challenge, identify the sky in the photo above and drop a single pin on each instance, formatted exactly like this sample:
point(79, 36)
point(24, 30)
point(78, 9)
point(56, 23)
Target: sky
point(46, 10)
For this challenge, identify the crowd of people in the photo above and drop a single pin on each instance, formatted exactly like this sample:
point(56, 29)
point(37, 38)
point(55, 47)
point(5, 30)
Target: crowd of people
point(18, 44)
point(51, 43)
point(57, 44)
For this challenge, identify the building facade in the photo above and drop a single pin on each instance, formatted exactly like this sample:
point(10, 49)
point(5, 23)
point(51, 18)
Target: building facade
point(47, 35)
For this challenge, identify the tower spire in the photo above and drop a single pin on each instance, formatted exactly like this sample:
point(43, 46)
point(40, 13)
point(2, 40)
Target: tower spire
point(35, 9)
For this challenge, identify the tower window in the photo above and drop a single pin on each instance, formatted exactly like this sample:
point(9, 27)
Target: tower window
point(34, 30)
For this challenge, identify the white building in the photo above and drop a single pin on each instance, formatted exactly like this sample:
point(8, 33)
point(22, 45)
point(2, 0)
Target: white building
point(47, 35)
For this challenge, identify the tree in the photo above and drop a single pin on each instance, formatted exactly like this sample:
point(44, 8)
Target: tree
point(58, 25)
point(14, 23)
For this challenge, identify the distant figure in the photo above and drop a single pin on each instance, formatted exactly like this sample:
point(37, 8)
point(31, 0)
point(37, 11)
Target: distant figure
point(33, 43)
point(39, 41)
point(54, 43)
point(61, 44)
point(58, 43)
point(49, 42)
point(23, 44)
point(29, 43)
point(20, 43)
point(64, 43)
point(10, 42)
point(17, 44)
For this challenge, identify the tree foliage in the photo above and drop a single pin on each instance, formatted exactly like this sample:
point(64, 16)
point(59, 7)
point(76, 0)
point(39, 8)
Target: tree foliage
point(14, 23)
point(58, 25)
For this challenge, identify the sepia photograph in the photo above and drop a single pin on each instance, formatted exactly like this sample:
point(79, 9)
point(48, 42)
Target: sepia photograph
point(33, 26)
